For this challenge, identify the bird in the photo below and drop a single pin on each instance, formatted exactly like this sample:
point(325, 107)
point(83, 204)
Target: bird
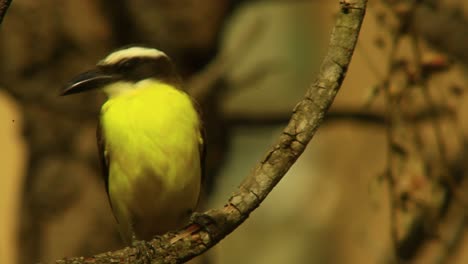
point(150, 141)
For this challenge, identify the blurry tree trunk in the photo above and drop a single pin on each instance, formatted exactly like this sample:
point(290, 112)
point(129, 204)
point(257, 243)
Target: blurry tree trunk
point(443, 28)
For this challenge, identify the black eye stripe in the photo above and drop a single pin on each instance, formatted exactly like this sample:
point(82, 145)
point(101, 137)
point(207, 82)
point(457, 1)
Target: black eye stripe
point(137, 61)
point(139, 68)
point(127, 64)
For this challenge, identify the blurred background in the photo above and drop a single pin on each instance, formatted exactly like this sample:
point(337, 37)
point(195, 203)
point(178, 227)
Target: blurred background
point(383, 181)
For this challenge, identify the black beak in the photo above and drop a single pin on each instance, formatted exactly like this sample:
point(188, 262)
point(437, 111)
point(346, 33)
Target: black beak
point(89, 80)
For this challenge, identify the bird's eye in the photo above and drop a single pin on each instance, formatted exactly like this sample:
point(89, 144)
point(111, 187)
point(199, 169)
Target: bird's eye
point(128, 64)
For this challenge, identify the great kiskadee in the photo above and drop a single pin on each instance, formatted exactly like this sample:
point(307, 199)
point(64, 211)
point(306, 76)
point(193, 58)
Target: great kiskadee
point(150, 141)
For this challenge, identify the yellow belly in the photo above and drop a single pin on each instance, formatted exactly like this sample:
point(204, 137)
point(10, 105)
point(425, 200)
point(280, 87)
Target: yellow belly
point(152, 137)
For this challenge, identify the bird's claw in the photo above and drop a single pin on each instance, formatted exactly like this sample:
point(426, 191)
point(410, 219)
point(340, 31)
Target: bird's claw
point(201, 219)
point(198, 221)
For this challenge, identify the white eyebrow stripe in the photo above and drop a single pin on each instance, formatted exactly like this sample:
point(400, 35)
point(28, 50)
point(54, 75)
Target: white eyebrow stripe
point(132, 52)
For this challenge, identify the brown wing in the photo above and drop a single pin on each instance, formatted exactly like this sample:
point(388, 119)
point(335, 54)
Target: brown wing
point(103, 156)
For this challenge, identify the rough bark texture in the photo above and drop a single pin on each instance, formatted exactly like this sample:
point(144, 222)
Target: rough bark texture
point(306, 118)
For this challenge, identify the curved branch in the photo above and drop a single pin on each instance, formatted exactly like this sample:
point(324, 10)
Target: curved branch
point(4, 4)
point(306, 118)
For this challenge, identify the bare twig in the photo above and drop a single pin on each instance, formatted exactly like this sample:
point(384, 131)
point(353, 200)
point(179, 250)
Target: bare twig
point(4, 4)
point(391, 177)
point(336, 113)
point(307, 116)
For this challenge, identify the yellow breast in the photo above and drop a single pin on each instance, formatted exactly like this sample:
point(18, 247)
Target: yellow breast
point(152, 137)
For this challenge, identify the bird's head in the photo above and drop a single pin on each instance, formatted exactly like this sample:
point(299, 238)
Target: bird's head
point(123, 68)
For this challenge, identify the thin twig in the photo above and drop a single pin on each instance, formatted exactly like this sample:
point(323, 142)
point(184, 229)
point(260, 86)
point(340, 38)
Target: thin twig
point(391, 177)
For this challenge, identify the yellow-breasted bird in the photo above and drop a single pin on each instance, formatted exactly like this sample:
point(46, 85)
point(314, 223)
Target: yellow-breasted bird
point(150, 141)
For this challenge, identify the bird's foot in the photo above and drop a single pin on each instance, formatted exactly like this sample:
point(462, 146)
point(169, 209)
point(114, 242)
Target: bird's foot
point(198, 221)
point(202, 220)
